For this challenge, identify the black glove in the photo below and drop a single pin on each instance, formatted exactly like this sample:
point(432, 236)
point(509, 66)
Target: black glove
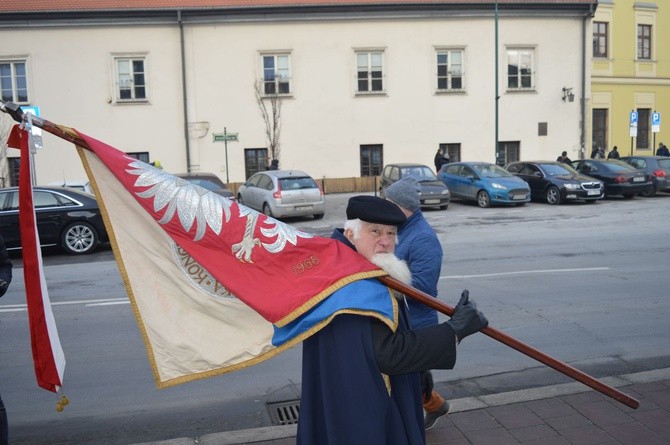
point(467, 319)
point(426, 384)
point(3, 287)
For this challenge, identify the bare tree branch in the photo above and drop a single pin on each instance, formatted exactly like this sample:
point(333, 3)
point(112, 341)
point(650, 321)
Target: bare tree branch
point(270, 108)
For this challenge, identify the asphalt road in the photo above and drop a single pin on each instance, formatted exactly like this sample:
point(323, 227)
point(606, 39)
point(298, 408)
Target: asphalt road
point(585, 283)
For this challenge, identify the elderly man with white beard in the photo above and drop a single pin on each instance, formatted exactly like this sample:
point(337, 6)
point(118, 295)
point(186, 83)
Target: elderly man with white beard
point(360, 376)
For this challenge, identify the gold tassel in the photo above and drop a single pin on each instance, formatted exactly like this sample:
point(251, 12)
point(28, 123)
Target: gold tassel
point(61, 403)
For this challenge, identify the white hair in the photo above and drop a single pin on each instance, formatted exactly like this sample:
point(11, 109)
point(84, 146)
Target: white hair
point(356, 226)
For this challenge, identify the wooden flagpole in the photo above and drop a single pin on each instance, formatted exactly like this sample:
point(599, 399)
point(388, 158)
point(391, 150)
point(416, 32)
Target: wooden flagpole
point(57, 130)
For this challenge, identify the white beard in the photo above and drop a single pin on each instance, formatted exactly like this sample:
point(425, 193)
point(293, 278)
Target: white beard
point(395, 267)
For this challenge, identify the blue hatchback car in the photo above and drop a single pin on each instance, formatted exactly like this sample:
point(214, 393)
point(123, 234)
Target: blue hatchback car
point(485, 183)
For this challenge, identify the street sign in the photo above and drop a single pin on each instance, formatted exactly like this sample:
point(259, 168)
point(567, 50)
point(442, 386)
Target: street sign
point(633, 124)
point(225, 137)
point(655, 122)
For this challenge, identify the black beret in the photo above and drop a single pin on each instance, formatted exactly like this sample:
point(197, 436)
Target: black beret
point(375, 210)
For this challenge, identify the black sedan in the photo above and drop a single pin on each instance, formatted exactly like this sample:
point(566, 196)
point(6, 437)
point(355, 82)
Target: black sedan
point(556, 182)
point(66, 218)
point(619, 178)
point(657, 167)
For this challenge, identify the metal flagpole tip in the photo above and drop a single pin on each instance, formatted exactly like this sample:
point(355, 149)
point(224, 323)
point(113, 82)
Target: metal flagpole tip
point(13, 110)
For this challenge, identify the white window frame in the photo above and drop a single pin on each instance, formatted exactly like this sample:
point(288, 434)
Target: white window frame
point(451, 69)
point(373, 58)
point(522, 52)
point(280, 74)
point(128, 83)
point(12, 62)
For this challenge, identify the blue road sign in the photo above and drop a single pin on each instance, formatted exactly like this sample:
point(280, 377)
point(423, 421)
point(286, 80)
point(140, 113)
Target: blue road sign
point(633, 118)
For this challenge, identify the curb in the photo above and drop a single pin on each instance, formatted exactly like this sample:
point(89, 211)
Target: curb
point(457, 405)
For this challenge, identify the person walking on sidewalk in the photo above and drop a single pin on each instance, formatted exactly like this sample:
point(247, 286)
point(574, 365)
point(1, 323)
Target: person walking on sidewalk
point(564, 158)
point(419, 247)
point(5, 279)
point(360, 375)
point(614, 154)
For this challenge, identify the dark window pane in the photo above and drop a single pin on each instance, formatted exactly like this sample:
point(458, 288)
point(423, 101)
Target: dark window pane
point(125, 93)
point(456, 83)
point(138, 79)
point(283, 88)
point(441, 83)
point(512, 82)
point(140, 93)
point(442, 70)
point(362, 85)
point(20, 69)
point(269, 88)
point(138, 66)
point(376, 85)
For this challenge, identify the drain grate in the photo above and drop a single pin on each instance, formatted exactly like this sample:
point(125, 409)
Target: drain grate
point(284, 413)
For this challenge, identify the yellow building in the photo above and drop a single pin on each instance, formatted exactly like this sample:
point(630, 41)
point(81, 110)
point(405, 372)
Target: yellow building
point(630, 73)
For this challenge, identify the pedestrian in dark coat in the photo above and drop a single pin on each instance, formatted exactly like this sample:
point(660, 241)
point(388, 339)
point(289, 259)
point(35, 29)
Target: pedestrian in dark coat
point(360, 379)
point(5, 279)
point(614, 154)
point(440, 159)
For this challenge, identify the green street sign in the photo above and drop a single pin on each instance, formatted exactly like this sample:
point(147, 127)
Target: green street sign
point(224, 137)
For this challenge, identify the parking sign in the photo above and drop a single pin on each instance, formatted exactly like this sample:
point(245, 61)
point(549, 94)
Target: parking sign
point(655, 122)
point(633, 124)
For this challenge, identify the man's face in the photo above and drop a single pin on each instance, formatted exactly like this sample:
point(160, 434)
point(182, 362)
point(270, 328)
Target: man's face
point(374, 239)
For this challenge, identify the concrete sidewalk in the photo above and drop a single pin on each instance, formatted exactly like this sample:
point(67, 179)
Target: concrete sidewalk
point(559, 414)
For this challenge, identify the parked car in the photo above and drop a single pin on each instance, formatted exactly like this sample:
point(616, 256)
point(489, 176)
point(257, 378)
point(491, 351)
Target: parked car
point(618, 177)
point(65, 217)
point(484, 183)
point(433, 192)
point(208, 181)
point(658, 169)
point(556, 182)
point(84, 186)
point(283, 193)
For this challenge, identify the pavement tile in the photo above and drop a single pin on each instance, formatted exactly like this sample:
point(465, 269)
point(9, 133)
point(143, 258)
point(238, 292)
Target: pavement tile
point(567, 422)
point(449, 432)
point(604, 414)
point(659, 398)
point(657, 420)
point(497, 436)
point(634, 434)
point(533, 432)
point(515, 416)
point(585, 397)
point(548, 408)
point(650, 387)
point(547, 441)
point(587, 435)
point(474, 420)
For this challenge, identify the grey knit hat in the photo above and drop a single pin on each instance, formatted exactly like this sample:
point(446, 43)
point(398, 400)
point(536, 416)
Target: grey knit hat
point(405, 193)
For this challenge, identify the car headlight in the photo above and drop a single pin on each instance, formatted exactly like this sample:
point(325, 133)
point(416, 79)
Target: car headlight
point(572, 186)
point(445, 192)
point(495, 185)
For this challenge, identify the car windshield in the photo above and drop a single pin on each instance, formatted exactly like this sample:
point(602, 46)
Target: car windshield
point(491, 171)
point(297, 183)
point(558, 169)
point(420, 173)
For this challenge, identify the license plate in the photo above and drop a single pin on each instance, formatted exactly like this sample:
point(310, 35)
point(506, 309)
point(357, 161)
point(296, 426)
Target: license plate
point(593, 192)
point(431, 201)
point(519, 197)
point(303, 207)
point(638, 179)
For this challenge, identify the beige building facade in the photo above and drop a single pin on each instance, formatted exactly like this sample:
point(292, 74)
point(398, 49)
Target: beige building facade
point(360, 85)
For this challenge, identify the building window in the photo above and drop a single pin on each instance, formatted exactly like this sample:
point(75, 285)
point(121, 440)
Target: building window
point(370, 71)
point(14, 81)
point(643, 124)
point(520, 68)
point(140, 156)
point(644, 42)
point(255, 160)
point(276, 74)
point(507, 152)
point(449, 70)
point(371, 160)
point(600, 39)
point(599, 128)
point(131, 82)
point(453, 151)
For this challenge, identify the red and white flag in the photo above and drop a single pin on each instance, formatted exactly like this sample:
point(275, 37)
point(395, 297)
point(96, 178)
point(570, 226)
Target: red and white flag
point(216, 286)
point(48, 357)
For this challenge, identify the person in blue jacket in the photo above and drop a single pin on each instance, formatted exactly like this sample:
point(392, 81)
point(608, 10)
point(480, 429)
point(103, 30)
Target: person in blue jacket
point(360, 375)
point(419, 247)
point(5, 279)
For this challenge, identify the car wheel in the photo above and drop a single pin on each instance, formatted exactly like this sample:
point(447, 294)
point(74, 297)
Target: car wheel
point(239, 199)
point(79, 238)
point(444, 207)
point(266, 210)
point(649, 193)
point(553, 196)
point(629, 196)
point(483, 199)
point(318, 216)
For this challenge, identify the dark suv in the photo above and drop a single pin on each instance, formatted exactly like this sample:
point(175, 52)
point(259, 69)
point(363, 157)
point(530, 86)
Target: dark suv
point(557, 182)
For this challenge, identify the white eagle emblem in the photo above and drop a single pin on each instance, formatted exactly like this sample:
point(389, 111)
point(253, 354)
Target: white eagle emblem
point(193, 204)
